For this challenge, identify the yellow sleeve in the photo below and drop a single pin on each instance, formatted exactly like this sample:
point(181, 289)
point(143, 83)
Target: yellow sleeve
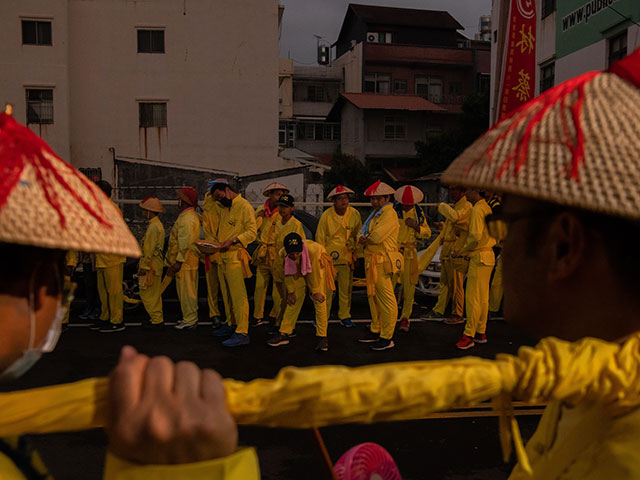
point(386, 226)
point(259, 219)
point(425, 230)
point(448, 212)
point(71, 258)
point(242, 465)
point(299, 230)
point(209, 224)
point(184, 241)
point(321, 231)
point(148, 248)
point(289, 283)
point(476, 227)
point(249, 229)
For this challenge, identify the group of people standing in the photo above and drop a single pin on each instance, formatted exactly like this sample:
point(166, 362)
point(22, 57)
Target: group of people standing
point(292, 265)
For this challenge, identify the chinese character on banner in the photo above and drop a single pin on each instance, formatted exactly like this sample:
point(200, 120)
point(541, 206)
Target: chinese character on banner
point(519, 70)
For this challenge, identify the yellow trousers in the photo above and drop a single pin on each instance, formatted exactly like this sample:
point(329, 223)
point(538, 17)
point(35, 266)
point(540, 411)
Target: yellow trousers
point(446, 287)
point(234, 294)
point(151, 296)
point(344, 284)
point(187, 288)
point(496, 292)
point(408, 289)
point(383, 305)
point(477, 297)
point(263, 277)
point(292, 312)
point(110, 291)
point(213, 289)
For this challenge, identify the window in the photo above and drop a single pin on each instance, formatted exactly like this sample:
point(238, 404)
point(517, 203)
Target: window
point(433, 130)
point(484, 82)
point(36, 32)
point(377, 83)
point(150, 41)
point(617, 47)
point(547, 76)
point(39, 106)
point(548, 7)
point(318, 131)
point(455, 88)
point(384, 37)
point(395, 127)
point(316, 93)
point(153, 114)
point(282, 134)
point(400, 86)
point(429, 88)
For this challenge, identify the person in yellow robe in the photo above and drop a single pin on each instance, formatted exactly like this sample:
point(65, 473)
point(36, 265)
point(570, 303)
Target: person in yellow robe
point(236, 230)
point(287, 224)
point(152, 262)
point(210, 218)
point(337, 231)
point(267, 218)
point(109, 270)
point(382, 260)
point(148, 397)
point(183, 257)
point(413, 227)
point(451, 279)
point(496, 291)
point(478, 248)
point(307, 266)
point(70, 264)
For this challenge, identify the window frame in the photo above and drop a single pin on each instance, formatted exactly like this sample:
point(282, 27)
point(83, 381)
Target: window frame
point(150, 124)
point(547, 8)
point(395, 121)
point(37, 22)
point(545, 84)
point(614, 56)
point(36, 118)
point(377, 78)
point(395, 86)
point(151, 31)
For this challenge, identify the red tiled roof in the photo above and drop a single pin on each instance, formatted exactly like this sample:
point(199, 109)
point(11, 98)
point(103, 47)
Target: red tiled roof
point(406, 17)
point(374, 101)
point(402, 174)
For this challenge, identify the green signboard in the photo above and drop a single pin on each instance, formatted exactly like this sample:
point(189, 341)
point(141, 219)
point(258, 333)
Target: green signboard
point(581, 23)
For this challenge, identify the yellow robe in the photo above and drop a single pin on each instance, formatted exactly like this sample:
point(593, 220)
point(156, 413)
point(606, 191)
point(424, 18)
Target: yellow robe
point(381, 262)
point(293, 225)
point(318, 281)
point(339, 235)
point(152, 262)
point(70, 260)
point(239, 222)
point(210, 218)
point(181, 248)
point(263, 258)
point(479, 248)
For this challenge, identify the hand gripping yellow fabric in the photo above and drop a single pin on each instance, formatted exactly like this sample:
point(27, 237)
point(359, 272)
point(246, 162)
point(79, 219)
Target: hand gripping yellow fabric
point(587, 371)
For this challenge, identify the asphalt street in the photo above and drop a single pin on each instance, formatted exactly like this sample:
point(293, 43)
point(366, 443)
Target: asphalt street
point(450, 448)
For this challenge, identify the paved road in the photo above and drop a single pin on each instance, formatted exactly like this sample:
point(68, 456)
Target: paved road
point(434, 449)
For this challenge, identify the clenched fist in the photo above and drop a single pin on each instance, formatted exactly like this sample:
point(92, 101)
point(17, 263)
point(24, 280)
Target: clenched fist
point(166, 413)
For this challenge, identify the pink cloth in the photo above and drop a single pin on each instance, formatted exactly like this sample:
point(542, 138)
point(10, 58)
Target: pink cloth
point(290, 267)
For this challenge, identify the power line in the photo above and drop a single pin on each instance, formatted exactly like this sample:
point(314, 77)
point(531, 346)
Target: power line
point(624, 16)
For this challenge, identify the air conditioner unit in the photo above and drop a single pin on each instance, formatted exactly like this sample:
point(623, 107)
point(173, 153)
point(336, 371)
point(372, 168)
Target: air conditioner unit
point(373, 37)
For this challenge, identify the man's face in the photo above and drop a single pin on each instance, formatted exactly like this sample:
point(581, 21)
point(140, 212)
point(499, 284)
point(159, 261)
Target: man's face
point(295, 256)
point(340, 202)
point(218, 194)
point(274, 195)
point(456, 193)
point(473, 196)
point(378, 201)
point(285, 211)
point(406, 208)
point(527, 298)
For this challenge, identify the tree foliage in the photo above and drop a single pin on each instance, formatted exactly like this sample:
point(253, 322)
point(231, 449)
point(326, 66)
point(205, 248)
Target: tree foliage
point(347, 170)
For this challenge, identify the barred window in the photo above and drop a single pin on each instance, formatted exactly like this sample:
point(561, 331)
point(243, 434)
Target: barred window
point(36, 32)
point(395, 127)
point(618, 47)
point(150, 41)
point(153, 114)
point(547, 76)
point(548, 7)
point(39, 106)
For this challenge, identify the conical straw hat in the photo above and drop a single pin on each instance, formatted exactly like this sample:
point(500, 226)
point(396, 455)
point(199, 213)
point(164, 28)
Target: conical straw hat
point(152, 204)
point(274, 186)
point(577, 144)
point(409, 195)
point(379, 188)
point(45, 202)
point(339, 190)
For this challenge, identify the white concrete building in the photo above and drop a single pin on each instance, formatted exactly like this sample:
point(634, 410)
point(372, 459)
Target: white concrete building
point(573, 37)
point(181, 84)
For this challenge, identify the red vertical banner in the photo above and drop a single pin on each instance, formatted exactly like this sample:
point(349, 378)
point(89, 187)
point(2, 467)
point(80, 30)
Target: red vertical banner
point(519, 70)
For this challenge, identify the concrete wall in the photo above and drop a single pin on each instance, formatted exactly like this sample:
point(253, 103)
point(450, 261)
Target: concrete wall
point(352, 131)
point(351, 62)
point(219, 77)
point(37, 66)
point(285, 78)
point(377, 145)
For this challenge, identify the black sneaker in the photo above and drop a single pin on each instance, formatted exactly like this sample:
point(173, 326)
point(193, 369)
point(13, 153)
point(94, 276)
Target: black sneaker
point(216, 322)
point(273, 330)
point(383, 344)
point(279, 340)
point(256, 322)
point(97, 325)
point(153, 326)
point(112, 327)
point(293, 333)
point(369, 337)
point(322, 345)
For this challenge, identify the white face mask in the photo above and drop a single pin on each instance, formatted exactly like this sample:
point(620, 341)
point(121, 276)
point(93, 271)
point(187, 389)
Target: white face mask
point(30, 356)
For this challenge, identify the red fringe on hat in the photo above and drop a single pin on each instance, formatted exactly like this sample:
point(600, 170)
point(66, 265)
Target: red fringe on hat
point(19, 146)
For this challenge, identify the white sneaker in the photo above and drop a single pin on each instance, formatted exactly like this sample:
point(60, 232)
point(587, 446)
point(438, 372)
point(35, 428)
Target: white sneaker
point(182, 325)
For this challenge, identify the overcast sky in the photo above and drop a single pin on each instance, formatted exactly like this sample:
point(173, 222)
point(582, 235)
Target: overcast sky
point(305, 18)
